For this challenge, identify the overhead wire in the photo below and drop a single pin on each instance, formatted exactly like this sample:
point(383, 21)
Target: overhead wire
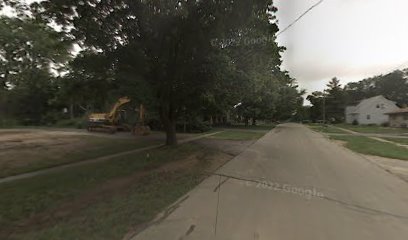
point(300, 17)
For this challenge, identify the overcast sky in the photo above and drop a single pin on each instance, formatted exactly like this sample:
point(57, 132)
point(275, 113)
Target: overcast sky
point(350, 39)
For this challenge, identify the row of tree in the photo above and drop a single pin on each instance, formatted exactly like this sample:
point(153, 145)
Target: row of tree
point(172, 55)
point(332, 101)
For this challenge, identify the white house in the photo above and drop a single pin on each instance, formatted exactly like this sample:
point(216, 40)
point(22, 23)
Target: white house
point(370, 111)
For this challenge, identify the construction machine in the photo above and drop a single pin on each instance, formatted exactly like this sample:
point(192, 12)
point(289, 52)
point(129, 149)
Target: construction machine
point(113, 120)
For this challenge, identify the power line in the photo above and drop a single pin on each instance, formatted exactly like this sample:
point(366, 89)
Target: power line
point(301, 16)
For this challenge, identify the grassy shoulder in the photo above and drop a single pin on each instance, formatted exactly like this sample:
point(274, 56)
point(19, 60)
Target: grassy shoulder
point(372, 129)
point(21, 155)
point(370, 146)
point(325, 128)
point(251, 127)
point(239, 135)
point(403, 141)
point(103, 200)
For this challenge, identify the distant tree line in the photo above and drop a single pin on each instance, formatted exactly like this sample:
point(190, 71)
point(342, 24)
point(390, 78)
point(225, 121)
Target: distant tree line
point(171, 55)
point(334, 99)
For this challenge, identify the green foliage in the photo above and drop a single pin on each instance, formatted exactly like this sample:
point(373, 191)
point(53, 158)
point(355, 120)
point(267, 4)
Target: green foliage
point(393, 86)
point(316, 110)
point(182, 59)
point(329, 104)
point(163, 53)
point(28, 50)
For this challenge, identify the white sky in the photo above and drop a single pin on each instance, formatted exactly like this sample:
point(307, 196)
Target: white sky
point(350, 39)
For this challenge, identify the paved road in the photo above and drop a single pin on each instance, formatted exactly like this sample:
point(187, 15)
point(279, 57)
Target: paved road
point(291, 184)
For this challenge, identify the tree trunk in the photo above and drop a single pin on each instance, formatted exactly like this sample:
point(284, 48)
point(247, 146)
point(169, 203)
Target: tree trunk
point(253, 121)
point(168, 118)
point(71, 110)
point(171, 138)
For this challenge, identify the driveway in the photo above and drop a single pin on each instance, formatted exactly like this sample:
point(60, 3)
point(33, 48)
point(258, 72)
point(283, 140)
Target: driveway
point(291, 184)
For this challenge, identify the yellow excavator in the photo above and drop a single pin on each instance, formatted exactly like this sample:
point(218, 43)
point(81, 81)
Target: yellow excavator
point(111, 121)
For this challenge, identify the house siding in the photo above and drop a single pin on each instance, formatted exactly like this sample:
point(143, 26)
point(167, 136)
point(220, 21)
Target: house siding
point(371, 111)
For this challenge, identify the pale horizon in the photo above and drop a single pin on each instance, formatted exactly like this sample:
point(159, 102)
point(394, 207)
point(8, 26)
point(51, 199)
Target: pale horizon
point(347, 39)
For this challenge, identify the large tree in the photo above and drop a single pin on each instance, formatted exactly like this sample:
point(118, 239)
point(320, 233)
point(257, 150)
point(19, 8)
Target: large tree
point(29, 52)
point(164, 44)
point(393, 86)
point(334, 101)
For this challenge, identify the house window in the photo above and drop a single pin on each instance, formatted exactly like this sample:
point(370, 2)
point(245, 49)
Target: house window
point(368, 117)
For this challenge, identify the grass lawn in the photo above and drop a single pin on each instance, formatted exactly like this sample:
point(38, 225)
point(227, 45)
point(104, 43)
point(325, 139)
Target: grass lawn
point(239, 135)
point(372, 129)
point(325, 128)
point(256, 127)
point(20, 156)
point(102, 200)
point(369, 146)
point(403, 141)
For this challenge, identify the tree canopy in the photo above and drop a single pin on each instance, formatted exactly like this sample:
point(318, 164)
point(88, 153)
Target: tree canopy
point(177, 57)
point(393, 86)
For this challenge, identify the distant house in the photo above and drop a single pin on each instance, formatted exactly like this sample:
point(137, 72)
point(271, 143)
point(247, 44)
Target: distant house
point(370, 111)
point(399, 118)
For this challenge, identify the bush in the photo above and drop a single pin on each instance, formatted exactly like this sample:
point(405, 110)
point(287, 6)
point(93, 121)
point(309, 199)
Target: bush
point(355, 122)
point(404, 125)
point(386, 124)
point(8, 122)
point(194, 126)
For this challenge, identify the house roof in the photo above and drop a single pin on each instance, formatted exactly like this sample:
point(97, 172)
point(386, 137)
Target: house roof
point(365, 102)
point(399, 111)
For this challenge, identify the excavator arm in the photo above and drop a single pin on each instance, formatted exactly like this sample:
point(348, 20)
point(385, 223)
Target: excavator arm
point(111, 116)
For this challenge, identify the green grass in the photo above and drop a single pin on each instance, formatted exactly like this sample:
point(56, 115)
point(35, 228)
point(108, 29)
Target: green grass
point(238, 135)
point(111, 215)
point(372, 129)
point(370, 146)
point(36, 158)
point(325, 128)
point(403, 141)
point(252, 127)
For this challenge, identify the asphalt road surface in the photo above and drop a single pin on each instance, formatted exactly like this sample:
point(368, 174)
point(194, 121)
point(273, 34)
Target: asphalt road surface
point(291, 184)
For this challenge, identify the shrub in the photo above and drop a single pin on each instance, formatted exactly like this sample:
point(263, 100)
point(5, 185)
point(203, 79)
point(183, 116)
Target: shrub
point(8, 122)
point(194, 126)
point(355, 122)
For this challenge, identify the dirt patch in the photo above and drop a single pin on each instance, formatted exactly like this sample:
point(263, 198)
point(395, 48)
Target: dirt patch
point(20, 151)
point(339, 142)
point(26, 151)
point(12, 132)
point(117, 187)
